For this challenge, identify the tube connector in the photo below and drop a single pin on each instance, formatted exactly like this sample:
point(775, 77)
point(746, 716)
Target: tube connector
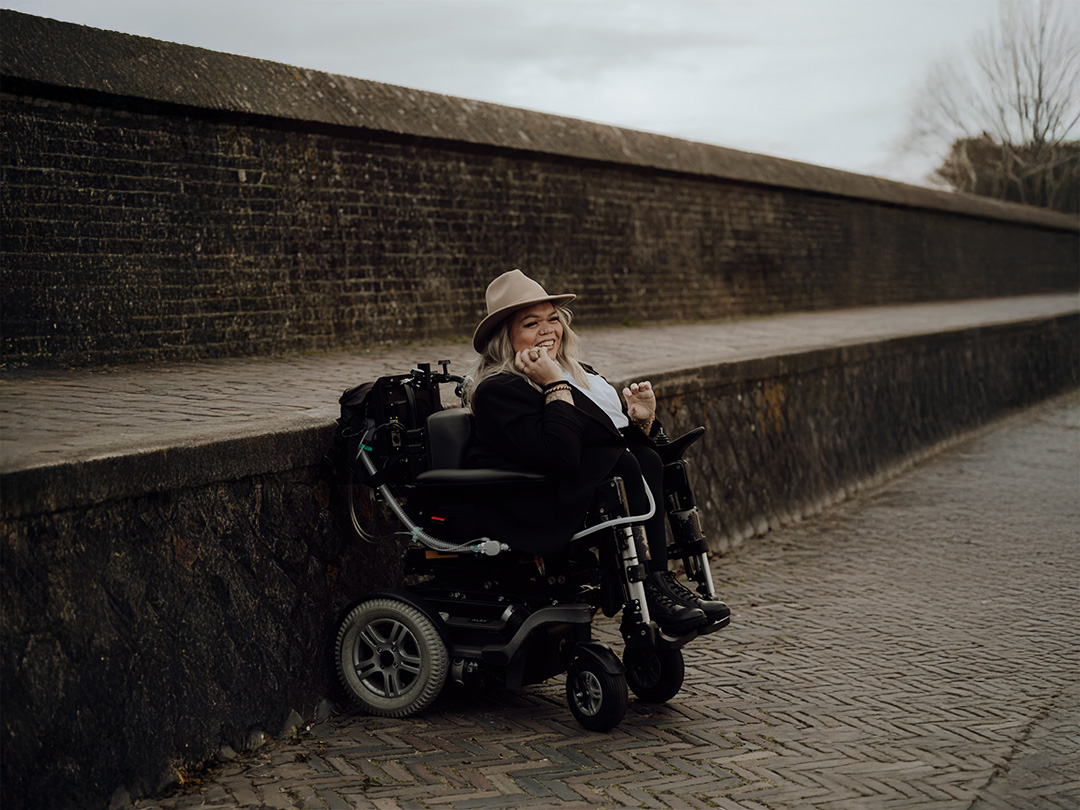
point(492, 547)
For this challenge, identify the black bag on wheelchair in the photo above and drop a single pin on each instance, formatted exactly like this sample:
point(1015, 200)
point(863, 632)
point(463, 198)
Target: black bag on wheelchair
point(387, 419)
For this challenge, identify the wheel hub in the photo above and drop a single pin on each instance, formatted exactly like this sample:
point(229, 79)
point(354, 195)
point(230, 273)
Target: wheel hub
point(588, 694)
point(387, 659)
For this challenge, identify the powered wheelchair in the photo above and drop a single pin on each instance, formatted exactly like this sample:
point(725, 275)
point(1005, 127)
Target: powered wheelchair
point(477, 611)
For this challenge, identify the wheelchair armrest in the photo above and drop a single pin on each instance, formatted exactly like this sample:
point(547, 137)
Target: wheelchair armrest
point(466, 478)
point(611, 498)
point(673, 450)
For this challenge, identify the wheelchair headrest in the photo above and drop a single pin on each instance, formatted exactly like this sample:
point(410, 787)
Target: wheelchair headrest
point(449, 434)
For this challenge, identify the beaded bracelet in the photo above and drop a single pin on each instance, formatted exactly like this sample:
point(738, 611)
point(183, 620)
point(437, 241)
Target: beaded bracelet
point(551, 386)
point(554, 389)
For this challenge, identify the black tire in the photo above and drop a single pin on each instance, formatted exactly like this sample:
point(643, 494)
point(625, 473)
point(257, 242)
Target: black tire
point(597, 698)
point(655, 676)
point(391, 658)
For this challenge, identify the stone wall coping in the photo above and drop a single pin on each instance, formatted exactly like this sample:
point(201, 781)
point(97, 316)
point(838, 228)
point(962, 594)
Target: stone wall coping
point(41, 55)
point(268, 435)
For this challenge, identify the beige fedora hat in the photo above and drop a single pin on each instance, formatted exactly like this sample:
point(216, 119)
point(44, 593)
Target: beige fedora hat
point(508, 293)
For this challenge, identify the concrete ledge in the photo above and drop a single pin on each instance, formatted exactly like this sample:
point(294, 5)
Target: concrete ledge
point(47, 53)
point(82, 484)
point(279, 443)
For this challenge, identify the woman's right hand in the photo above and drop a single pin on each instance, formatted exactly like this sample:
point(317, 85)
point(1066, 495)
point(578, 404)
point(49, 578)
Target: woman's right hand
point(538, 366)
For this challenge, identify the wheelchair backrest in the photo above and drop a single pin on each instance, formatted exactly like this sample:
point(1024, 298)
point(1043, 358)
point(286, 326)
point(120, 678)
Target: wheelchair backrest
point(449, 433)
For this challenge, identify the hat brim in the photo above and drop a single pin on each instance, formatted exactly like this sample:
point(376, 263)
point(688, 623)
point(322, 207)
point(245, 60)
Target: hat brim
point(492, 321)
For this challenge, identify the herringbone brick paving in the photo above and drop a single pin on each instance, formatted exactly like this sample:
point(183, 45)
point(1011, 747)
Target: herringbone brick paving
point(915, 647)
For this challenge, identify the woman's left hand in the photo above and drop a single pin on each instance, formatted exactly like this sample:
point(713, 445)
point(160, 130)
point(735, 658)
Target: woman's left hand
point(640, 402)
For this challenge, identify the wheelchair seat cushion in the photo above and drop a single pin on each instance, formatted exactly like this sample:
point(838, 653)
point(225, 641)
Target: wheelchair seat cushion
point(485, 478)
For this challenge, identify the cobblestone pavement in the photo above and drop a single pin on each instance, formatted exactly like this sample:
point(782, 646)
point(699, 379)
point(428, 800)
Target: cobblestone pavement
point(915, 647)
point(54, 417)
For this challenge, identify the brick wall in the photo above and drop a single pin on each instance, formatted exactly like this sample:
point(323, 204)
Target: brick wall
point(143, 225)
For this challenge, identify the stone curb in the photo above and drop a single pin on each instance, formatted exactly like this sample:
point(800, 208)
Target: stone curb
point(298, 441)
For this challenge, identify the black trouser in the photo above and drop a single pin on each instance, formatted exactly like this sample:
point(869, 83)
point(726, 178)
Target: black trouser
point(641, 461)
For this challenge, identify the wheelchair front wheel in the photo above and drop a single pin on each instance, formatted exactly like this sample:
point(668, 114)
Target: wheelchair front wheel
point(597, 698)
point(391, 657)
point(655, 676)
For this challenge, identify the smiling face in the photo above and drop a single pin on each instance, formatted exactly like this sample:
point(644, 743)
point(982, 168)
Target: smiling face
point(537, 326)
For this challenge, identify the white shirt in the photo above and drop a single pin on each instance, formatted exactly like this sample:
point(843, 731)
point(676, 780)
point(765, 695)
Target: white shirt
point(605, 396)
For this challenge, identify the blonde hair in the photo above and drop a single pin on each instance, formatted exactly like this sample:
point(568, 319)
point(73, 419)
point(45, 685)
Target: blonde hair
point(498, 355)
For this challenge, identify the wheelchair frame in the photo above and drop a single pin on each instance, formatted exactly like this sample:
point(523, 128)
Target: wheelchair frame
point(482, 613)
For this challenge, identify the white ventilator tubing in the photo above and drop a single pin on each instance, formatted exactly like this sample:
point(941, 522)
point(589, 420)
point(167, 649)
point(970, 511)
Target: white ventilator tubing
point(483, 545)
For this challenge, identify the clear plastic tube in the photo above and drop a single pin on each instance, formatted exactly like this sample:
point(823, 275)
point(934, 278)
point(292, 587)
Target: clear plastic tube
point(482, 545)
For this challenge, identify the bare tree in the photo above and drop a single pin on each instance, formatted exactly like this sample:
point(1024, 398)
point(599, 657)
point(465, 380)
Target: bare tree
point(1003, 112)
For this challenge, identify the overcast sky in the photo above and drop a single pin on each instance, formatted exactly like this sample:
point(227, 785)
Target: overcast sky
point(828, 82)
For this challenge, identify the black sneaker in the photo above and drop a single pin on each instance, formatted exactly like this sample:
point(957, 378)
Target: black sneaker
point(714, 611)
point(674, 618)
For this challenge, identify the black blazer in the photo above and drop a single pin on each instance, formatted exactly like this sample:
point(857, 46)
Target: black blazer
point(575, 445)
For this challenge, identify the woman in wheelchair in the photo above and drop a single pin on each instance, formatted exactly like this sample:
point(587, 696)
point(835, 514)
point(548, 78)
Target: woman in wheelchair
point(502, 585)
point(537, 408)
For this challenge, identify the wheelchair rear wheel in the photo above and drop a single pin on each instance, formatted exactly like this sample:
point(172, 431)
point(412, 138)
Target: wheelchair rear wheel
point(391, 657)
point(655, 676)
point(597, 698)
